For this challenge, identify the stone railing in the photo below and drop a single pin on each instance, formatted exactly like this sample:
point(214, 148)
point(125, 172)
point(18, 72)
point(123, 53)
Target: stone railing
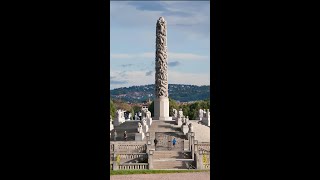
point(111, 147)
point(129, 157)
point(128, 147)
point(204, 146)
point(202, 158)
point(133, 166)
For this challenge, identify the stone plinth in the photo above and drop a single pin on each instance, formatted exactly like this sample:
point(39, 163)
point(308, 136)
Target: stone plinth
point(161, 109)
point(206, 121)
point(139, 137)
point(185, 129)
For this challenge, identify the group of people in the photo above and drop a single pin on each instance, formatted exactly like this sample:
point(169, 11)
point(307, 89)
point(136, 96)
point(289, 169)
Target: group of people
point(115, 135)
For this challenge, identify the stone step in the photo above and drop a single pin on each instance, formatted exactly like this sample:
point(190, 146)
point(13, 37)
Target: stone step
point(170, 164)
point(160, 155)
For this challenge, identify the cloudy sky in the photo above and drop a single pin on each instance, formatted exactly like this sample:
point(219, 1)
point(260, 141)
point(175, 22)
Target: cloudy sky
point(133, 35)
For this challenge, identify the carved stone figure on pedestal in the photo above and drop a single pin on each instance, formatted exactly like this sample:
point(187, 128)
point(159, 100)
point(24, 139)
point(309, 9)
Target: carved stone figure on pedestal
point(190, 128)
point(200, 114)
point(148, 114)
point(175, 113)
point(180, 115)
point(139, 128)
point(111, 125)
point(144, 122)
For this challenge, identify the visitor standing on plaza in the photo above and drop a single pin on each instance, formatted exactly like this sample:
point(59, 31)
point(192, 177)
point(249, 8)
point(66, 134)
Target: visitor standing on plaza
point(115, 135)
point(174, 142)
point(125, 135)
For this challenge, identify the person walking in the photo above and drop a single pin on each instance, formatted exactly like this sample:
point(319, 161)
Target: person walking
point(125, 135)
point(174, 142)
point(155, 142)
point(115, 135)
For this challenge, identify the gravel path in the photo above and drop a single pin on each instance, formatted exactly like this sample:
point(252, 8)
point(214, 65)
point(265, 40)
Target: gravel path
point(169, 176)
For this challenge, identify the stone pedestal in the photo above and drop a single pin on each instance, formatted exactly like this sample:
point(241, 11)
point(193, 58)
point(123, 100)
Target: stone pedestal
point(150, 159)
point(161, 109)
point(139, 137)
point(185, 129)
point(206, 121)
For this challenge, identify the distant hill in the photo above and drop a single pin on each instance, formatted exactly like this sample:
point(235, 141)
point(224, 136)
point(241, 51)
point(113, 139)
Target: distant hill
point(178, 92)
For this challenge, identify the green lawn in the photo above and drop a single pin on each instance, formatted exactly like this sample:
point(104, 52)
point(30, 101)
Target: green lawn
point(125, 172)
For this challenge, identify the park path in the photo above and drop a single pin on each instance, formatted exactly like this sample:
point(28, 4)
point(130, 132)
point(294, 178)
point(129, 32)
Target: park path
point(169, 176)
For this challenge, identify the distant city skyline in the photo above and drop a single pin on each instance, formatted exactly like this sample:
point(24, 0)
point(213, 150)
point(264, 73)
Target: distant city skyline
point(132, 45)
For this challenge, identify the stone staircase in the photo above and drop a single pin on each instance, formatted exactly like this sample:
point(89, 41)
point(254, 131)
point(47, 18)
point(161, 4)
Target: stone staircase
point(171, 160)
point(165, 156)
point(129, 126)
point(171, 130)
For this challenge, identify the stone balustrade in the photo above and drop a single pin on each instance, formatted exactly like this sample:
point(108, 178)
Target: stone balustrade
point(129, 157)
point(204, 146)
point(128, 147)
point(133, 166)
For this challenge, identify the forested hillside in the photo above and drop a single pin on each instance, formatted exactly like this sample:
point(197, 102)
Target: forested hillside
point(178, 92)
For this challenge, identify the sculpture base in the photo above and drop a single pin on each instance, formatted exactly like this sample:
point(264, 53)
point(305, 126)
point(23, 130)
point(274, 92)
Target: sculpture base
point(206, 121)
point(161, 109)
point(139, 137)
point(118, 121)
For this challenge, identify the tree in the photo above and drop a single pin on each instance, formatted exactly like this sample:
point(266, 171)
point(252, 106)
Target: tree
point(151, 108)
point(112, 109)
point(136, 109)
point(123, 105)
point(172, 105)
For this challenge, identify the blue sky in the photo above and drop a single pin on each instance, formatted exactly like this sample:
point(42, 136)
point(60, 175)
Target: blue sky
point(132, 42)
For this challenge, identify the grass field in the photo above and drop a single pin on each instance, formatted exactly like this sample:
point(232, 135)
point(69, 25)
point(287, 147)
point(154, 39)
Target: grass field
point(126, 172)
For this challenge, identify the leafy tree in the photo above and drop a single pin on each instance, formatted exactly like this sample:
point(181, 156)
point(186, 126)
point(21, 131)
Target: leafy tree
point(172, 105)
point(151, 108)
point(123, 105)
point(136, 109)
point(112, 109)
